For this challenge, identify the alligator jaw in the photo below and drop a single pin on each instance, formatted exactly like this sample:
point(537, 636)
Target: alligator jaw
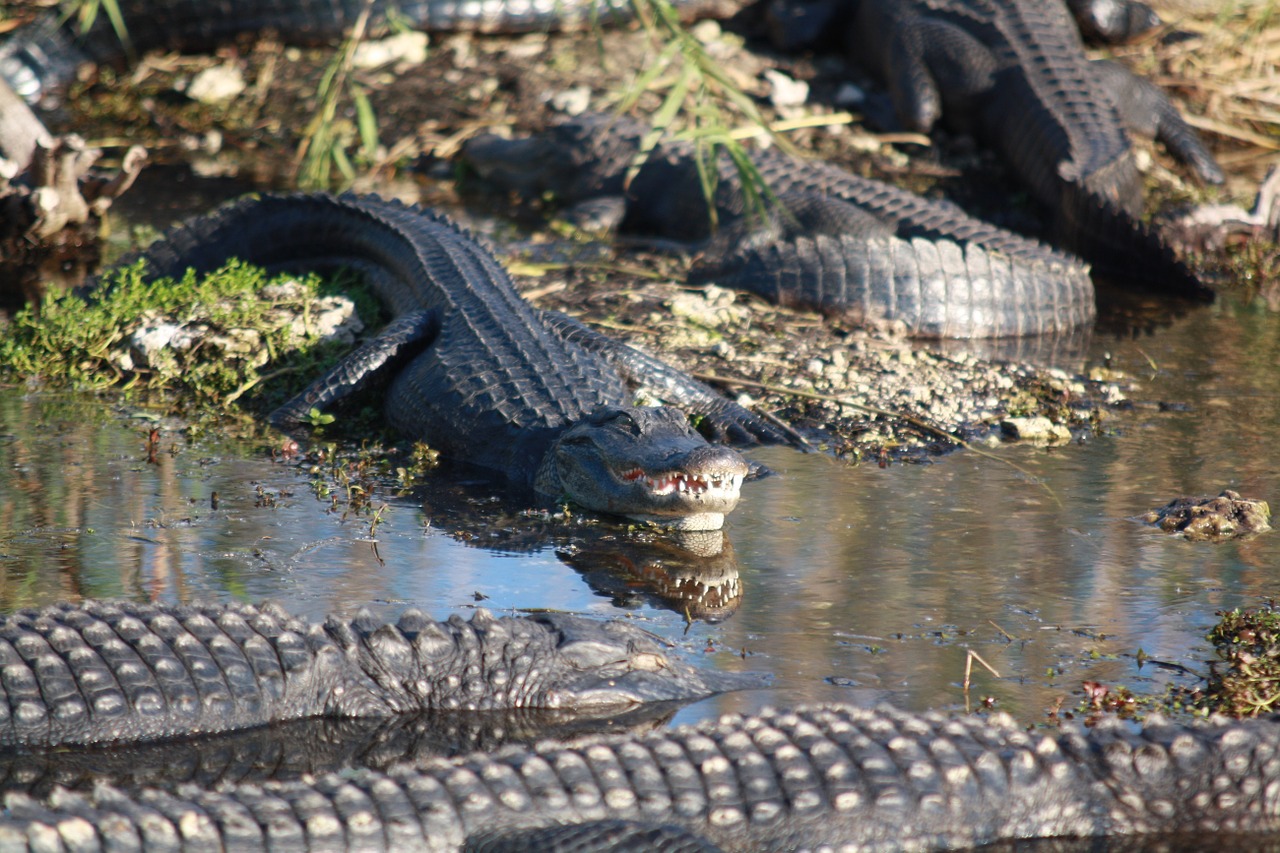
point(684, 489)
point(648, 464)
point(602, 665)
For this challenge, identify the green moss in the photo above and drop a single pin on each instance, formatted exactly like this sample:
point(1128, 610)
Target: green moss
point(241, 326)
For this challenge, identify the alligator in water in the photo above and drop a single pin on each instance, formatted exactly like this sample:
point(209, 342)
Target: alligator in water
point(120, 672)
point(814, 778)
point(1014, 72)
point(844, 243)
point(484, 377)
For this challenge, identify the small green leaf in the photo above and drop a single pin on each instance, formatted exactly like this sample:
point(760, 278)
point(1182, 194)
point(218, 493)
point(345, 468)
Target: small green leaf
point(317, 418)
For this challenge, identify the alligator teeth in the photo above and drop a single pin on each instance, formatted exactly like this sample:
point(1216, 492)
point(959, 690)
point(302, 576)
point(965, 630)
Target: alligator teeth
point(665, 484)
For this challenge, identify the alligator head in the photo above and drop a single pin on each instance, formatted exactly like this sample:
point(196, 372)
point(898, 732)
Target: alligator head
point(645, 463)
point(578, 159)
point(552, 661)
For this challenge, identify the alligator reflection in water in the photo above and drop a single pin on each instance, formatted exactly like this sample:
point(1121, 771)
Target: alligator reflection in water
point(691, 572)
point(290, 750)
point(694, 573)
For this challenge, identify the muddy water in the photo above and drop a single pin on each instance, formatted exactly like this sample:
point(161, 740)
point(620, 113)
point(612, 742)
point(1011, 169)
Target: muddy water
point(857, 583)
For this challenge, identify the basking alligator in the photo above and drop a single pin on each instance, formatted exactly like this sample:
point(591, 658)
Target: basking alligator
point(844, 243)
point(816, 778)
point(104, 672)
point(1014, 72)
point(480, 374)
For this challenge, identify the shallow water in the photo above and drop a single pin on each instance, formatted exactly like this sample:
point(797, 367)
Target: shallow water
point(858, 583)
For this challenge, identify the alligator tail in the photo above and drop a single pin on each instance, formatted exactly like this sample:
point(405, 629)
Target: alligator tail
point(1120, 246)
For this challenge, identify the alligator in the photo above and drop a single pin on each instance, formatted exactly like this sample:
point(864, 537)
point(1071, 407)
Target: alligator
point(481, 375)
point(1014, 72)
point(814, 778)
point(835, 241)
point(99, 672)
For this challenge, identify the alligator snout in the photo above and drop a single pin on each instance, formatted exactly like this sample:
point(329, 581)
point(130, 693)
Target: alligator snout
point(648, 464)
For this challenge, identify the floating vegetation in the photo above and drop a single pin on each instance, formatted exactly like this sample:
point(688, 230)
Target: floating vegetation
point(1245, 680)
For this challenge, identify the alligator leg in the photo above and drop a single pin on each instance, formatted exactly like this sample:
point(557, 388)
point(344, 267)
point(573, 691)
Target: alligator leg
point(1146, 109)
point(929, 65)
point(405, 336)
point(729, 422)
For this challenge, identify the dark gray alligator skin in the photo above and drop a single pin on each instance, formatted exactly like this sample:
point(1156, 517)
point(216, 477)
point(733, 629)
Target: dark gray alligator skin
point(98, 673)
point(846, 243)
point(816, 778)
point(1015, 72)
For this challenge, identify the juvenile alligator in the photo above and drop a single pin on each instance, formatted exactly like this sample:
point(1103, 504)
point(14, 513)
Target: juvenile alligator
point(1014, 73)
point(816, 778)
point(481, 375)
point(103, 672)
point(844, 243)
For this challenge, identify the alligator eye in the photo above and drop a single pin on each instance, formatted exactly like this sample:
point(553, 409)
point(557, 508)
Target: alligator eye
point(624, 420)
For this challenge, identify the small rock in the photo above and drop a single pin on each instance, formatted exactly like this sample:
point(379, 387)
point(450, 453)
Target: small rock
point(1036, 429)
point(332, 318)
point(151, 339)
point(1210, 519)
point(216, 85)
point(706, 31)
point(528, 47)
point(242, 344)
point(784, 92)
point(404, 49)
point(573, 102)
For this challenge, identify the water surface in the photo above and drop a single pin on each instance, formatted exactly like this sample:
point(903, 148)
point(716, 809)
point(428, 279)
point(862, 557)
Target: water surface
point(857, 583)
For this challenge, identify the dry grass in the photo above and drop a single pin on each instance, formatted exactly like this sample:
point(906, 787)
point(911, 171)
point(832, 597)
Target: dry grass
point(1224, 59)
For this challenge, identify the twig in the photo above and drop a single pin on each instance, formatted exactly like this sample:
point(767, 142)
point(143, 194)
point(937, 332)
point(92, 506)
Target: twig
point(1006, 634)
point(969, 657)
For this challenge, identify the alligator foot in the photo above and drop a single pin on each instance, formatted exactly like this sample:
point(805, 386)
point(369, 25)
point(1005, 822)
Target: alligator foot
point(1212, 226)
